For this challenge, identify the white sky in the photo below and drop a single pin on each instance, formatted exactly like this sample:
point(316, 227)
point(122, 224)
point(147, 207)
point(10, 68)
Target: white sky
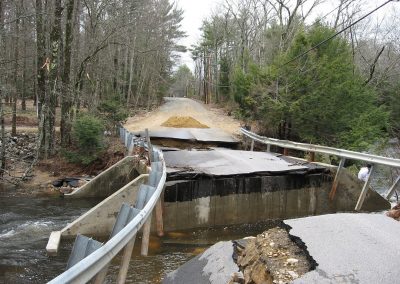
point(197, 10)
point(194, 13)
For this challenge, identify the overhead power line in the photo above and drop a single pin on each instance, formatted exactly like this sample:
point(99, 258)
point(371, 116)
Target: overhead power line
point(338, 33)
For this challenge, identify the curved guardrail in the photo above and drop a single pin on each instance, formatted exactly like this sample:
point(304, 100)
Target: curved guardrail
point(90, 266)
point(373, 159)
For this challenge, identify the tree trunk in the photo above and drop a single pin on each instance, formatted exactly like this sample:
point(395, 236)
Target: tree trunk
point(54, 77)
point(24, 71)
point(41, 73)
point(66, 94)
point(2, 134)
point(16, 71)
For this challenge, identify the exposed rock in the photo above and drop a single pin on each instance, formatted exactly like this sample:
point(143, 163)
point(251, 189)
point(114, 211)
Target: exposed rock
point(394, 212)
point(271, 257)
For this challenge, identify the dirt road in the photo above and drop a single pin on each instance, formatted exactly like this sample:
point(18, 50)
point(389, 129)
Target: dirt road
point(214, 118)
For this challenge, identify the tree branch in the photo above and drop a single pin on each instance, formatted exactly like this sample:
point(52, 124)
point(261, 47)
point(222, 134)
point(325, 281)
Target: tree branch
point(372, 67)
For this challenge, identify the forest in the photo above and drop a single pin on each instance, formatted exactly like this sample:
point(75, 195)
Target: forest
point(326, 79)
point(83, 63)
point(290, 67)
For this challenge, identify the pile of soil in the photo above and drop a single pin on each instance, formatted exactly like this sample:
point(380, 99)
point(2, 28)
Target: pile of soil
point(272, 257)
point(394, 212)
point(183, 122)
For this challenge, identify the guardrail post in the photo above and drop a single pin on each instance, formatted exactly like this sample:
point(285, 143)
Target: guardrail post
point(268, 147)
point(159, 218)
point(311, 157)
point(365, 189)
point(123, 270)
point(392, 189)
point(336, 180)
point(252, 145)
point(146, 237)
point(285, 152)
point(149, 147)
point(101, 276)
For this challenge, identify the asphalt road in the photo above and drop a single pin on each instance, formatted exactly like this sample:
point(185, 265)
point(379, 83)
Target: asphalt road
point(350, 248)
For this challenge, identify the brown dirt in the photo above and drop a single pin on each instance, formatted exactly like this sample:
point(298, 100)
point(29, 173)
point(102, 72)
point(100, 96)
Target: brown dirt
point(394, 212)
point(272, 257)
point(22, 121)
point(49, 170)
point(205, 114)
point(183, 122)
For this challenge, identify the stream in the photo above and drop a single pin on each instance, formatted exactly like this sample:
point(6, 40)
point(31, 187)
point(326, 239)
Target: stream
point(26, 223)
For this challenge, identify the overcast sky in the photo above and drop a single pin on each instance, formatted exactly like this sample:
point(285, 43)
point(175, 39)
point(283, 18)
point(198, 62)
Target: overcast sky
point(196, 11)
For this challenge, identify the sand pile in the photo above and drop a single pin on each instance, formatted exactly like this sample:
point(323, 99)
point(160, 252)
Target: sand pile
point(183, 122)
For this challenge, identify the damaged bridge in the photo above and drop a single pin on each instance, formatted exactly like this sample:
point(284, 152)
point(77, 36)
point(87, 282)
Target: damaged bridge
point(221, 187)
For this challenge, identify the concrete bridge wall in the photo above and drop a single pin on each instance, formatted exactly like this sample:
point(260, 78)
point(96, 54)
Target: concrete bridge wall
point(208, 202)
point(111, 180)
point(240, 200)
point(100, 220)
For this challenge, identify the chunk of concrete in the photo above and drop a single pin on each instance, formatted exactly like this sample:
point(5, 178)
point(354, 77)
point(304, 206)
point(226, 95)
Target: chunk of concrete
point(53, 243)
point(214, 266)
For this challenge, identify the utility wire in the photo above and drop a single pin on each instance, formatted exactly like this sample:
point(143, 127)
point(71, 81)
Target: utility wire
point(338, 33)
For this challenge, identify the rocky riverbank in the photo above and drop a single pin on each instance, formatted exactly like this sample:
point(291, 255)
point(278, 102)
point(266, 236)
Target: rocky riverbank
point(37, 177)
point(20, 154)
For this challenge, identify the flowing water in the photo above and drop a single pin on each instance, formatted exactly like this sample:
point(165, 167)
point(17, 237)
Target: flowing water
point(26, 223)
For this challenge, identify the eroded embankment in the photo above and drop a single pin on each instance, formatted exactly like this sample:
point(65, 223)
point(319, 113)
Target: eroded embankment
point(274, 256)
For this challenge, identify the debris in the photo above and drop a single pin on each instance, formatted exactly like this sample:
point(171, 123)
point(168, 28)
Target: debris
point(183, 122)
point(394, 212)
point(271, 257)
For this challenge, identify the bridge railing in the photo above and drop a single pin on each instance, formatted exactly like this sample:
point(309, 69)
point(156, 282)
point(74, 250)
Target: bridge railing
point(97, 262)
point(343, 154)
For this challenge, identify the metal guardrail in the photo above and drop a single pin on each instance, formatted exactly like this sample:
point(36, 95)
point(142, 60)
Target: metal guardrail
point(90, 266)
point(373, 159)
point(343, 154)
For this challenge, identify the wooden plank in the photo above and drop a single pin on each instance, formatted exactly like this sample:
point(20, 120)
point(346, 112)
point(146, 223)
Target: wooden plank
point(159, 218)
point(336, 180)
point(146, 237)
point(149, 146)
point(123, 270)
point(392, 189)
point(364, 190)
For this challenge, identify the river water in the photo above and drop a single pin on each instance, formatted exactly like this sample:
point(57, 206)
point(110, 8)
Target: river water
point(26, 223)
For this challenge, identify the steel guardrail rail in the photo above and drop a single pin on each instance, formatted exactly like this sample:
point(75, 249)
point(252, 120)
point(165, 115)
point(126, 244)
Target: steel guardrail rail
point(88, 267)
point(373, 159)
